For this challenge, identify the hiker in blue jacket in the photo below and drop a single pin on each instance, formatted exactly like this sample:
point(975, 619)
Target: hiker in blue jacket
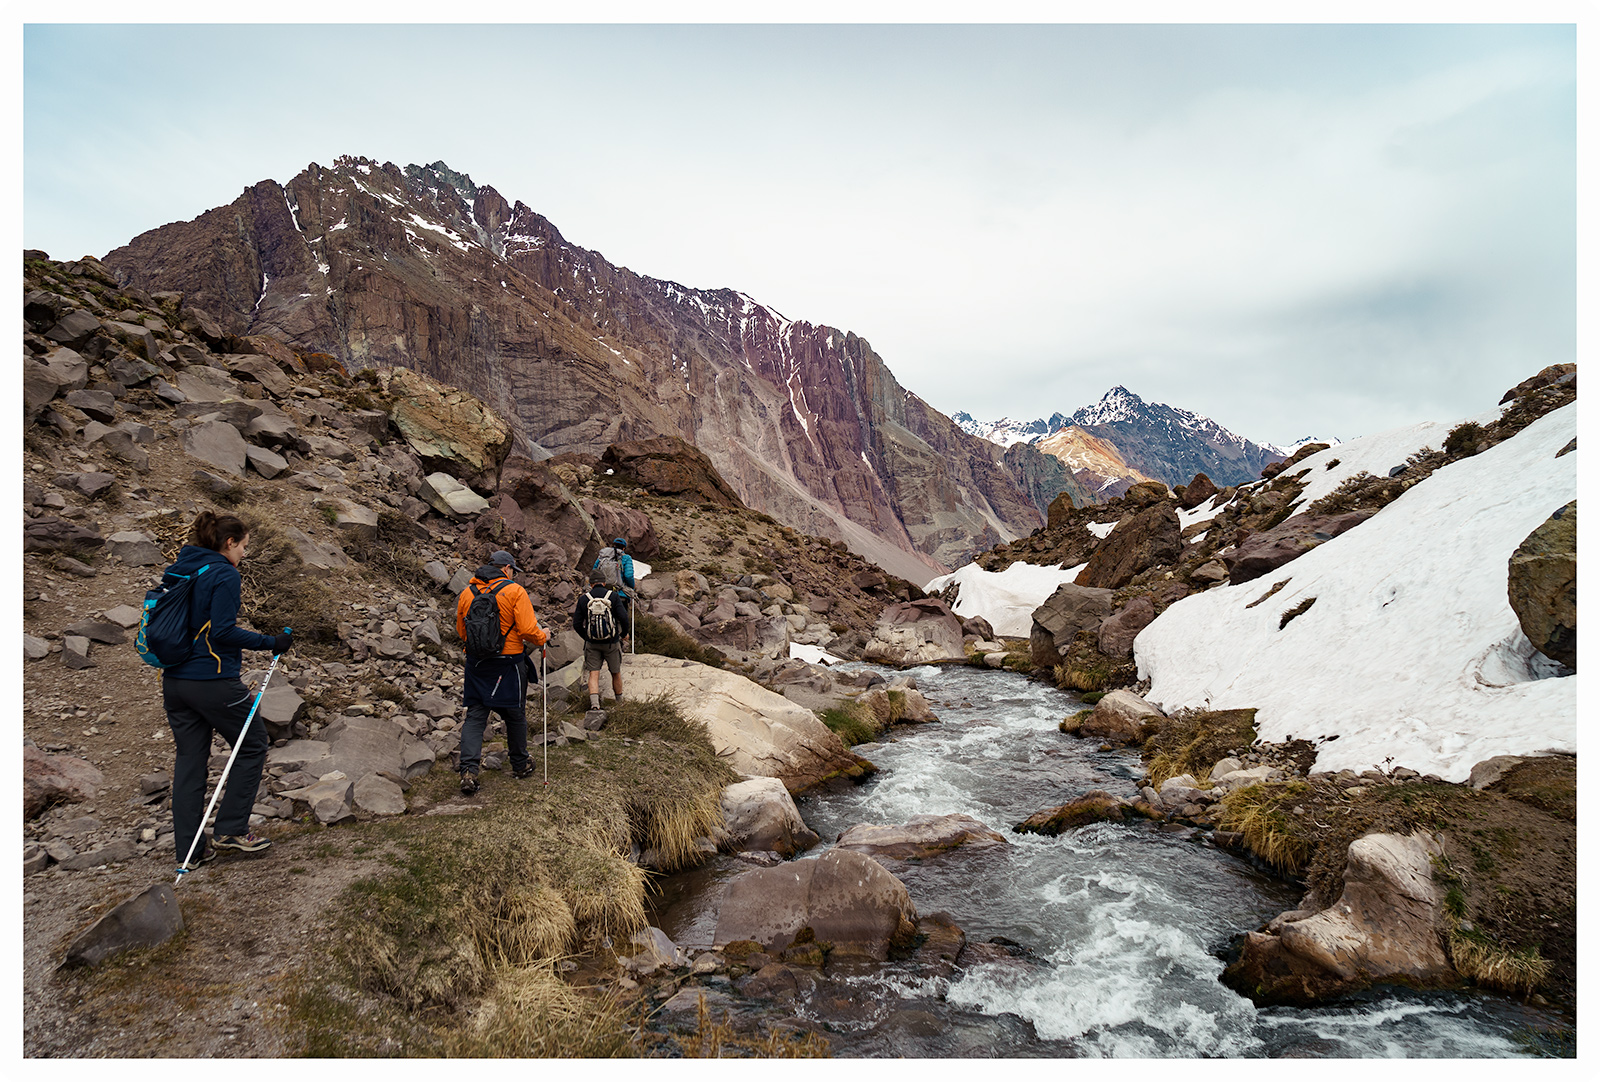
point(204, 694)
point(615, 568)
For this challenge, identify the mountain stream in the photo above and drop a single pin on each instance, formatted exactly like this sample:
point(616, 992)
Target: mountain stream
point(1124, 923)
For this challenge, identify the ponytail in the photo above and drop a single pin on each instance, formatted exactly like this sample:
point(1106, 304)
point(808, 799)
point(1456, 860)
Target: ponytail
point(212, 531)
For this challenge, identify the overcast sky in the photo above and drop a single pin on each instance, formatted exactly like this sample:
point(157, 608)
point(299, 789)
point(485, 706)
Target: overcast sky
point(1297, 230)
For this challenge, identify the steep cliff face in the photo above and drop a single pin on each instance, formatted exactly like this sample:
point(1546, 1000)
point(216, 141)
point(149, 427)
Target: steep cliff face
point(1043, 477)
point(1172, 444)
point(420, 267)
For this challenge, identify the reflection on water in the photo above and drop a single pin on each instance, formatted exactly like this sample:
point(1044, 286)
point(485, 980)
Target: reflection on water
point(1124, 923)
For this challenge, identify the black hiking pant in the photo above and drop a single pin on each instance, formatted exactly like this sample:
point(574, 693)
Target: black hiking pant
point(195, 710)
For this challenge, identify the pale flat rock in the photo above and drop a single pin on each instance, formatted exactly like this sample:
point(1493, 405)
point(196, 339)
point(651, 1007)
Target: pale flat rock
point(124, 616)
point(758, 732)
point(379, 795)
point(217, 443)
point(450, 497)
point(920, 836)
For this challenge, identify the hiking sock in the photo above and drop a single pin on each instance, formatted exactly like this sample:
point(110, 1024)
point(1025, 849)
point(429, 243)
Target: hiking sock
point(594, 700)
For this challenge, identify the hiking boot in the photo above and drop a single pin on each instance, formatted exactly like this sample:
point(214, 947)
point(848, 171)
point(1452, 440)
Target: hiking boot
point(241, 843)
point(206, 855)
point(469, 783)
point(520, 772)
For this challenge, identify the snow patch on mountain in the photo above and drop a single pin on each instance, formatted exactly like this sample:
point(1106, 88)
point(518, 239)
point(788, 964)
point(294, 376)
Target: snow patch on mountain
point(1411, 654)
point(1004, 598)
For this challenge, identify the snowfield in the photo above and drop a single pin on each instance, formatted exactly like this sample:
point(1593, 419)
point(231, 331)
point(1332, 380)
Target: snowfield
point(1411, 655)
point(1004, 598)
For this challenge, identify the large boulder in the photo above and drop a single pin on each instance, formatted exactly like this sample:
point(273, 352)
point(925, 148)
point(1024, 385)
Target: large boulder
point(1067, 611)
point(1542, 585)
point(758, 732)
point(545, 500)
point(667, 466)
point(760, 814)
point(1271, 549)
point(914, 631)
point(920, 837)
point(847, 900)
point(1121, 717)
point(753, 636)
point(1118, 631)
point(1384, 927)
point(449, 429)
point(1197, 492)
point(1141, 541)
point(55, 779)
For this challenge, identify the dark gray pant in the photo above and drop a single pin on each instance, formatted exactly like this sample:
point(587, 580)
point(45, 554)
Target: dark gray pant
point(516, 720)
point(195, 710)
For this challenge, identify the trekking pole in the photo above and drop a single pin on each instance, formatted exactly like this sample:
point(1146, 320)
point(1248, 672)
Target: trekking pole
point(544, 685)
point(183, 869)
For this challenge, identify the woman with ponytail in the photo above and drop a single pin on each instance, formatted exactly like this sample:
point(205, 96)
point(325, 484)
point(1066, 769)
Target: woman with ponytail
point(204, 695)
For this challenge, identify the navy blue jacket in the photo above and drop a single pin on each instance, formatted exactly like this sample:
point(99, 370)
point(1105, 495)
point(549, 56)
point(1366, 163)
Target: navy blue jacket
point(214, 606)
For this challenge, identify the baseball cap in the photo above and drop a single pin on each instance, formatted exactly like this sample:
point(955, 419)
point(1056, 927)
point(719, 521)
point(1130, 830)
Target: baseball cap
point(503, 559)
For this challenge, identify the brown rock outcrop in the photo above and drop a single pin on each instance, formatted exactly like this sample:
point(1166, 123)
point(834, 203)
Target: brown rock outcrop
point(53, 779)
point(1095, 806)
point(847, 900)
point(1542, 585)
point(1141, 541)
point(1270, 550)
point(449, 429)
point(667, 466)
point(1071, 609)
point(1118, 631)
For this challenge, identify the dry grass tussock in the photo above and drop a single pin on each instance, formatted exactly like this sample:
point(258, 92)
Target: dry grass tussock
point(533, 1014)
point(719, 1040)
point(1482, 960)
point(277, 593)
point(1194, 743)
point(540, 872)
point(1257, 812)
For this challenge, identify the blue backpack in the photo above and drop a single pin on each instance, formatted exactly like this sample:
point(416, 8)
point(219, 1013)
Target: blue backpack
point(164, 639)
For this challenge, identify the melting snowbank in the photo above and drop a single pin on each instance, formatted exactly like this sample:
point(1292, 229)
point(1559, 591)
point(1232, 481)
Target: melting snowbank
point(1004, 598)
point(1411, 651)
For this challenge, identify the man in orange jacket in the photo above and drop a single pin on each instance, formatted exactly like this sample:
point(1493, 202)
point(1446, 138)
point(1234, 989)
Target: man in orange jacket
point(498, 682)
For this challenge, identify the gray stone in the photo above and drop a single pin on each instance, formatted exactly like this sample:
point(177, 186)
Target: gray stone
point(459, 581)
point(70, 366)
point(416, 759)
point(75, 652)
point(1489, 771)
point(380, 796)
point(102, 631)
point(111, 853)
point(319, 558)
point(451, 498)
point(130, 371)
point(92, 482)
point(34, 648)
point(426, 631)
point(437, 571)
point(268, 464)
point(98, 405)
point(148, 919)
point(73, 328)
point(218, 444)
point(34, 859)
point(357, 520)
point(138, 432)
point(261, 370)
point(200, 383)
point(281, 705)
point(158, 782)
point(394, 648)
point(329, 797)
point(136, 336)
point(328, 447)
point(40, 384)
point(437, 706)
point(167, 391)
point(52, 534)
point(134, 549)
point(299, 755)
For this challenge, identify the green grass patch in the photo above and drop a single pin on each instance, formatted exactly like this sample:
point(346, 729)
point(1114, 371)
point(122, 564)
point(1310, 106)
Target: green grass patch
point(653, 636)
point(848, 723)
point(1193, 744)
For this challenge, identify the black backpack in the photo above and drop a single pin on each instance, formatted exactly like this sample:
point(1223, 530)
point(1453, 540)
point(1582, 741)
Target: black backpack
point(163, 639)
point(600, 623)
point(484, 636)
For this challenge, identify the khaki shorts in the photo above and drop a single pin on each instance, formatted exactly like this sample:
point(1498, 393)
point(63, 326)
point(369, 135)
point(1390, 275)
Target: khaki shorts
point(596, 654)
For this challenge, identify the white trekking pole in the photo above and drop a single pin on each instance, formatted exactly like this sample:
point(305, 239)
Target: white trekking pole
point(199, 833)
point(544, 685)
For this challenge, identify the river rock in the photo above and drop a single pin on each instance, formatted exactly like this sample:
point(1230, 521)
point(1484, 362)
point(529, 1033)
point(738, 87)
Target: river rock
point(56, 779)
point(1118, 631)
point(758, 732)
point(148, 919)
point(915, 631)
point(1542, 585)
point(920, 837)
point(1140, 541)
point(1067, 611)
point(652, 949)
point(761, 815)
point(846, 899)
point(1385, 926)
point(1095, 806)
point(1121, 717)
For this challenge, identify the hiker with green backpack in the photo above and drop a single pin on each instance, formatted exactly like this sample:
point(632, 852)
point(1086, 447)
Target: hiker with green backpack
point(497, 624)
